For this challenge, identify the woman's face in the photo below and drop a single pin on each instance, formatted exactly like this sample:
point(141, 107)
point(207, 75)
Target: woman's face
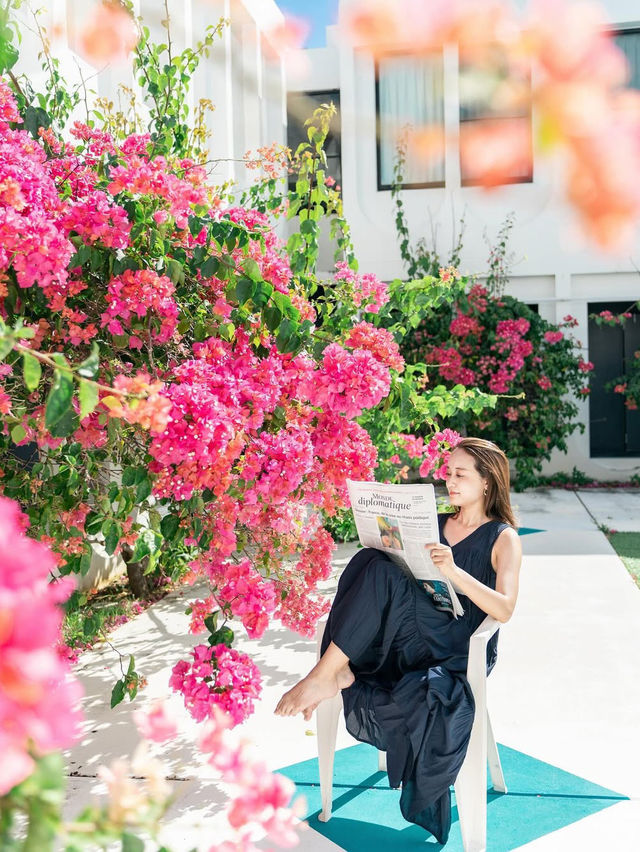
point(464, 483)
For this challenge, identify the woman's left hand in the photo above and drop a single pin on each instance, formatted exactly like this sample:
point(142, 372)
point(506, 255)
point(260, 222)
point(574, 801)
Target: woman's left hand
point(442, 558)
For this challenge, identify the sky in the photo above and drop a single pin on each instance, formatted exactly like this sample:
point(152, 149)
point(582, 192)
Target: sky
point(319, 14)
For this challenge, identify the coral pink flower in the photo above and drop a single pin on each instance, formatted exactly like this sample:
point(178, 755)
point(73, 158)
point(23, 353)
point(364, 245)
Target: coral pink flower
point(38, 696)
point(553, 336)
point(109, 35)
point(156, 723)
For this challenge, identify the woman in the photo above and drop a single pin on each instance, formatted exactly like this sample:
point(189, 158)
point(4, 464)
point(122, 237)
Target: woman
point(400, 662)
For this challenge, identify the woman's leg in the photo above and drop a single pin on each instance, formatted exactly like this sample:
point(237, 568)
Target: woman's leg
point(330, 674)
point(366, 589)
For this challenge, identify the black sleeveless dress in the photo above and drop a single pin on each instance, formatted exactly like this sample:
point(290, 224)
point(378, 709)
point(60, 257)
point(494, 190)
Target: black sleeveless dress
point(411, 697)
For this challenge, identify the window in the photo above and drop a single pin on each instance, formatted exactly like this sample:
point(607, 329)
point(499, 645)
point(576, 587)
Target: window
point(495, 129)
point(300, 107)
point(614, 429)
point(629, 42)
point(409, 95)
point(495, 142)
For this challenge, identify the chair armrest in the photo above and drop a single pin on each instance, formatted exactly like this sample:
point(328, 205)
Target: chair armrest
point(486, 630)
point(477, 663)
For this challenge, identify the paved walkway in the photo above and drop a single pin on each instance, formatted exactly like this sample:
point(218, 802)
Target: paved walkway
point(566, 690)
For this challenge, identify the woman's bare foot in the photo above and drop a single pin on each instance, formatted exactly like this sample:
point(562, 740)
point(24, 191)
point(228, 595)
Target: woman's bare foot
point(311, 690)
point(344, 679)
point(306, 714)
point(330, 674)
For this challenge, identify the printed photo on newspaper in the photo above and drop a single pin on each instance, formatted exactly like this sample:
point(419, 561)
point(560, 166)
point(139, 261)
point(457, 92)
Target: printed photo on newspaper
point(400, 520)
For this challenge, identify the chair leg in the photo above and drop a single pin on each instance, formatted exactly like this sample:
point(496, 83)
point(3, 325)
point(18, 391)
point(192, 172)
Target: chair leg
point(327, 716)
point(495, 767)
point(471, 784)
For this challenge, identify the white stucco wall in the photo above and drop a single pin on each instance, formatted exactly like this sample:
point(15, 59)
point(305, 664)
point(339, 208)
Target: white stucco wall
point(554, 265)
point(242, 77)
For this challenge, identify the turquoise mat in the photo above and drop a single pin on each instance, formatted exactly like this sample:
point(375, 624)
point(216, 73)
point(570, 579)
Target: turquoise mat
point(366, 811)
point(528, 531)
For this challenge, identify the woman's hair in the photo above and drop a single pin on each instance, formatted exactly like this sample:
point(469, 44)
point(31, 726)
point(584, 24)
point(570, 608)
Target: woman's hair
point(492, 464)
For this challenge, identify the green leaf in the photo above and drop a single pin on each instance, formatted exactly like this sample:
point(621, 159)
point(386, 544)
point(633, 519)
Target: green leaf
point(60, 395)
point(85, 562)
point(6, 345)
point(245, 289)
point(169, 526)
point(117, 693)
point(88, 396)
point(272, 316)
point(175, 271)
point(66, 425)
point(223, 636)
point(34, 119)
point(211, 621)
point(31, 370)
point(8, 54)
point(131, 843)
point(111, 536)
point(251, 269)
point(129, 475)
point(142, 548)
point(90, 366)
point(18, 433)
point(286, 333)
point(210, 267)
point(262, 294)
point(143, 490)
point(93, 524)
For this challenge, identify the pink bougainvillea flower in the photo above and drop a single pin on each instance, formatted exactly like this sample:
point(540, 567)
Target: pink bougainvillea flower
point(492, 153)
point(109, 34)
point(38, 696)
point(218, 676)
point(261, 800)
point(156, 723)
point(285, 40)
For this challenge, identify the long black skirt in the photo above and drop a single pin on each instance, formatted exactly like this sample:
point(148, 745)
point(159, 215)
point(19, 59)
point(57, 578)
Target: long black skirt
point(410, 697)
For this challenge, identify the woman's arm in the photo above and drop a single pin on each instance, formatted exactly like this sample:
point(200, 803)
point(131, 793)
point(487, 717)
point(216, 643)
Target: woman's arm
point(506, 557)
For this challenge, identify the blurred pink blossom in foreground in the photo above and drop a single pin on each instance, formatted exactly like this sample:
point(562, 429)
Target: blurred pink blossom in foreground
point(39, 698)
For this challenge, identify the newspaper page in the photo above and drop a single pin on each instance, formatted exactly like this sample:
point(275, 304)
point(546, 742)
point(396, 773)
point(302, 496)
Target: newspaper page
point(400, 520)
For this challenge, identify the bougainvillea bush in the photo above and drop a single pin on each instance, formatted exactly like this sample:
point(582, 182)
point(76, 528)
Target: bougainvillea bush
point(502, 346)
point(176, 384)
point(483, 339)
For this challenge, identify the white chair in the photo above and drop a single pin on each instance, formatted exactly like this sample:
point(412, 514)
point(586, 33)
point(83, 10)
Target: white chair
point(471, 784)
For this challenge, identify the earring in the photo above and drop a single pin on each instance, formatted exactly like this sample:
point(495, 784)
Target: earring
point(485, 491)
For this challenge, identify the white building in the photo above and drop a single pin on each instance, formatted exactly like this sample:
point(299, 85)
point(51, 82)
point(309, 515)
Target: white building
point(243, 76)
point(554, 269)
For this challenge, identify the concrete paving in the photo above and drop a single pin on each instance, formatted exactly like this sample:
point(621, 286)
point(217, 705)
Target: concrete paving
point(614, 509)
point(566, 689)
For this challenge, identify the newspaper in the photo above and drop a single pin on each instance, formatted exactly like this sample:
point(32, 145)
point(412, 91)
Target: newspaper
point(400, 520)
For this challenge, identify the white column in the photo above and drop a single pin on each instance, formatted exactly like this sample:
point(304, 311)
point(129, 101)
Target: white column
point(215, 82)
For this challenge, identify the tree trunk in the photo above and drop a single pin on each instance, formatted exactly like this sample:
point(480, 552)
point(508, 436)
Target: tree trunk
point(138, 583)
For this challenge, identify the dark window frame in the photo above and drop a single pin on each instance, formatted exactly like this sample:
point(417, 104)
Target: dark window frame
point(618, 31)
point(337, 137)
point(386, 187)
point(503, 116)
point(616, 307)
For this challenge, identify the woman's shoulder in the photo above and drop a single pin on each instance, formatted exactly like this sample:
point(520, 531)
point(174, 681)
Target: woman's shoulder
point(498, 530)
